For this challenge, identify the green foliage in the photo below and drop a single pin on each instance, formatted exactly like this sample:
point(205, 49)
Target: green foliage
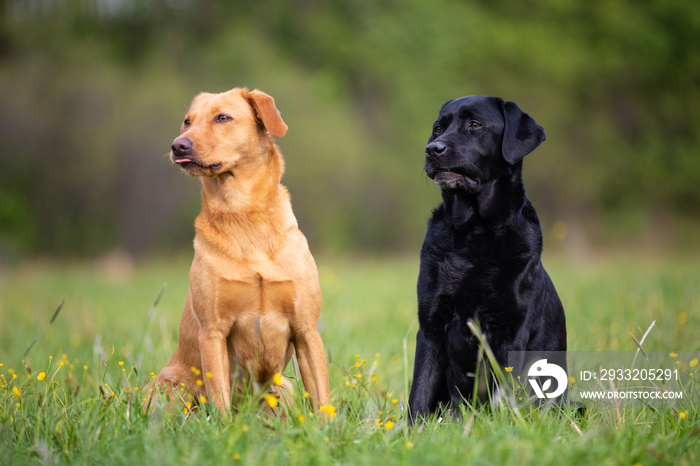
point(93, 93)
point(91, 369)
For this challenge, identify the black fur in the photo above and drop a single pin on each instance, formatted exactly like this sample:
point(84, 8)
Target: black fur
point(481, 256)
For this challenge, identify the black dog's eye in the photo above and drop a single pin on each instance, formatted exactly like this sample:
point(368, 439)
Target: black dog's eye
point(475, 124)
point(222, 118)
point(437, 129)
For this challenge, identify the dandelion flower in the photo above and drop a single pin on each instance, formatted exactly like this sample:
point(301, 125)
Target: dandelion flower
point(359, 376)
point(683, 414)
point(277, 379)
point(202, 399)
point(195, 370)
point(694, 362)
point(395, 400)
point(121, 363)
point(409, 445)
point(236, 456)
point(16, 391)
point(199, 382)
point(85, 367)
point(374, 379)
point(673, 355)
point(306, 394)
point(389, 425)
point(326, 439)
point(301, 418)
point(358, 365)
point(41, 376)
point(509, 369)
point(357, 356)
point(209, 375)
point(376, 355)
point(571, 379)
point(329, 409)
point(271, 400)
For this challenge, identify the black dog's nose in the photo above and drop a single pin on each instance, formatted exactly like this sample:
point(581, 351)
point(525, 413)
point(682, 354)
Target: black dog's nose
point(181, 146)
point(435, 149)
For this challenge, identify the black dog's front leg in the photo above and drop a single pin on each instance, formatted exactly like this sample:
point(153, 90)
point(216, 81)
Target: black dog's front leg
point(428, 378)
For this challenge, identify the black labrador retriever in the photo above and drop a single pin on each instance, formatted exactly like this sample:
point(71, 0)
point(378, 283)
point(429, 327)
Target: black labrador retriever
point(481, 256)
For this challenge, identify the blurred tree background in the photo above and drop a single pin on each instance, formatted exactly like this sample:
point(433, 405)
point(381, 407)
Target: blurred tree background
point(93, 93)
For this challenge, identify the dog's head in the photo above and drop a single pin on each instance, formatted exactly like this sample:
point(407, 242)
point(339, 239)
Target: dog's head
point(222, 132)
point(475, 139)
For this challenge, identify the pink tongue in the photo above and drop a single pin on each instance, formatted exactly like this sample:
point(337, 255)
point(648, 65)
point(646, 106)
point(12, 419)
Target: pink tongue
point(182, 161)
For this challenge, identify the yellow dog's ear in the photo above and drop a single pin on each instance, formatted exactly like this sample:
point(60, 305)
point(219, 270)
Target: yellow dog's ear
point(266, 112)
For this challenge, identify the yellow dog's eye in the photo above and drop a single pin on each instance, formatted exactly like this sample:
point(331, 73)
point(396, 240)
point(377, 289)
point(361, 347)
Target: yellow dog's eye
point(222, 118)
point(474, 124)
point(186, 122)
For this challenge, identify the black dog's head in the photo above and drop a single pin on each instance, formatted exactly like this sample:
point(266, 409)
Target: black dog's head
point(475, 139)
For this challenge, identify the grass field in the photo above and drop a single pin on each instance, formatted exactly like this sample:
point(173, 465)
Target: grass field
point(78, 399)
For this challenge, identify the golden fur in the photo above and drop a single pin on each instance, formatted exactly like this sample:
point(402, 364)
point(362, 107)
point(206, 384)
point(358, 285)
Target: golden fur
point(254, 293)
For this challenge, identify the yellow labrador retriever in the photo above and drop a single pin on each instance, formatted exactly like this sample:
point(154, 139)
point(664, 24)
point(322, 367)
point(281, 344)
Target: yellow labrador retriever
point(254, 294)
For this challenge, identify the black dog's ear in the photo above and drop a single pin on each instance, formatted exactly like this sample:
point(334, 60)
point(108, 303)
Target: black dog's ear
point(521, 134)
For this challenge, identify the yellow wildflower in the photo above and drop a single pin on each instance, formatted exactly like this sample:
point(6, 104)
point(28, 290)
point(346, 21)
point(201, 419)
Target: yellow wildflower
point(683, 414)
point(395, 400)
point(199, 382)
point(16, 391)
point(682, 317)
point(509, 369)
point(271, 400)
point(376, 355)
point(202, 399)
point(306, 394)
point(121, 363)
point(571, 379)
point(389, 425)
point(673, 355)
point(329, 409)
point(277, 379)
point(41, 376)
point(357, 356)
point(209, 375)
point(409, 445)
point(694, 362)
point(236, 456)
point(244, 428)
point(301, 418)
